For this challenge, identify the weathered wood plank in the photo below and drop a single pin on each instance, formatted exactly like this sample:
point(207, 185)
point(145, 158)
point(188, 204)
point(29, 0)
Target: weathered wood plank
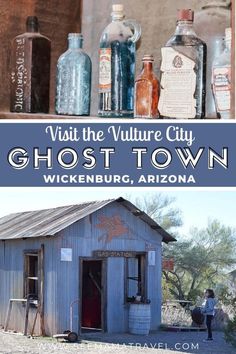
point(41, 295)
point(26, 316)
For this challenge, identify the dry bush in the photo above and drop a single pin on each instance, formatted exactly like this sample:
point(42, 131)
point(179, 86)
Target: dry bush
point(176, 315)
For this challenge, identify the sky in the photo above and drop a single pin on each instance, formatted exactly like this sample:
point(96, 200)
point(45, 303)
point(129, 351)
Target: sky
point(197, 206)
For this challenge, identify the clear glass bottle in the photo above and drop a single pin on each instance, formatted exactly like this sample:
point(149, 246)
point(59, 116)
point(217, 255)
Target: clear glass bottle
point(30, 70)
point(210, 23)
point(117, 65)
point(221, 80)
point(183, 68)
point(73, 82)
point(146, 91)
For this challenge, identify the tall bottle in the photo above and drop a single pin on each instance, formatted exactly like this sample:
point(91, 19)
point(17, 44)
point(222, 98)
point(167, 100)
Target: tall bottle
point(30, 70)
point(183, 79)
point(146, 91)
point(73, 86)
point(221, 80)
point(117, 65)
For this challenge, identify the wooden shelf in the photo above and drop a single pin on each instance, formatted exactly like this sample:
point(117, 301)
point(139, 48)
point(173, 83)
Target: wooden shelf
point(35, 116)
point(42, 116)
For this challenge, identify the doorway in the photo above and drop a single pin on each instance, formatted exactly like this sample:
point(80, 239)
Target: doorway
point(92, 293)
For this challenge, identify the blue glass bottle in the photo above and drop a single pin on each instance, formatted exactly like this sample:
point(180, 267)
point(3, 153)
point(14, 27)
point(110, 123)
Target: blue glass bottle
point(117, 65)
point(73, 86)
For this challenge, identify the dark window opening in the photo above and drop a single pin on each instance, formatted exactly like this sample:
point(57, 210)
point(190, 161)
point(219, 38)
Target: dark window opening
point(31, 281)
point(135, 277)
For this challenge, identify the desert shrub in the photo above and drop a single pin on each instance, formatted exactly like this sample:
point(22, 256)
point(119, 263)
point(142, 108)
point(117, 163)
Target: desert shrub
point(176, 315)
point(230, 331)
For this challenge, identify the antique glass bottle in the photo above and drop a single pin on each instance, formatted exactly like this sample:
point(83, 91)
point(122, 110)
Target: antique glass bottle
point(73, 86)
point(183, 79)
point(117, 65)
point(146, 91)
point(30, 70)
point(210, 23)
point(221, 80)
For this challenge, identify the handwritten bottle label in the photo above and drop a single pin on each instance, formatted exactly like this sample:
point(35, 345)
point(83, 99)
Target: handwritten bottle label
point(178, 85)
point(105, 70)
point(222, 87)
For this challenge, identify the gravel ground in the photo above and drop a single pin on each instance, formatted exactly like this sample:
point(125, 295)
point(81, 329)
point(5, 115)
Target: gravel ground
point(163, 342)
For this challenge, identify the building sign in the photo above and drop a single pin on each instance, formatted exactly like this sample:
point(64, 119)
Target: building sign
point(66, 254)
point(151, 258)
point(106, 254)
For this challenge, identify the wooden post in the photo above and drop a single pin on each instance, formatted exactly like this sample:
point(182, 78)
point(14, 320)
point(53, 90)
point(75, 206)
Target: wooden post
point(35, 319)
point(27, 316)
point(41, 299)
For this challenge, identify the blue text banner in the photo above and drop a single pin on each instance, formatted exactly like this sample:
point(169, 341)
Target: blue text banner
point(118, 154)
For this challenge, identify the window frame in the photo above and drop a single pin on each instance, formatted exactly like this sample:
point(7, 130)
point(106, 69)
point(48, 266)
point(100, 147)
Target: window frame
point(143, 275)
point(27, 254)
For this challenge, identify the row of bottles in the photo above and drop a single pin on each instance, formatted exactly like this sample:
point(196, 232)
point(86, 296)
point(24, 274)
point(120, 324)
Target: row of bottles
point(30, 74)
point(180, 94)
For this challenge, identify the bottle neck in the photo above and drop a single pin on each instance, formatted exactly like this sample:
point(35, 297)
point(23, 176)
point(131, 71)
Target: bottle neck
point(185, 28)
point(32, 27)
point(147, 66)
point(117, 16)
point(75, 43)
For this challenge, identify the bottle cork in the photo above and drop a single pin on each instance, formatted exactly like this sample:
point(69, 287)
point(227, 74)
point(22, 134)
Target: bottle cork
point(185, 15)
point(118, 8)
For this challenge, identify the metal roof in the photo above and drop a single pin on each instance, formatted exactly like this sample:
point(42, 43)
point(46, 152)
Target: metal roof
point(49, 222)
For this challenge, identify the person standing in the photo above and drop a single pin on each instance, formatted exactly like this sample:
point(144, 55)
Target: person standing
point(208, 309)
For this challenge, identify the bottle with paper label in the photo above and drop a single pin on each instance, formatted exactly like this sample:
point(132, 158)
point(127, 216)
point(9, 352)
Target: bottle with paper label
point(183, 72)
point(146, 91)
point(117, 65)
point(221, 80)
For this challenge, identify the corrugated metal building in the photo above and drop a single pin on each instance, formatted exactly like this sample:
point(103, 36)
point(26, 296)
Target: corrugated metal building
point(102, 253)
